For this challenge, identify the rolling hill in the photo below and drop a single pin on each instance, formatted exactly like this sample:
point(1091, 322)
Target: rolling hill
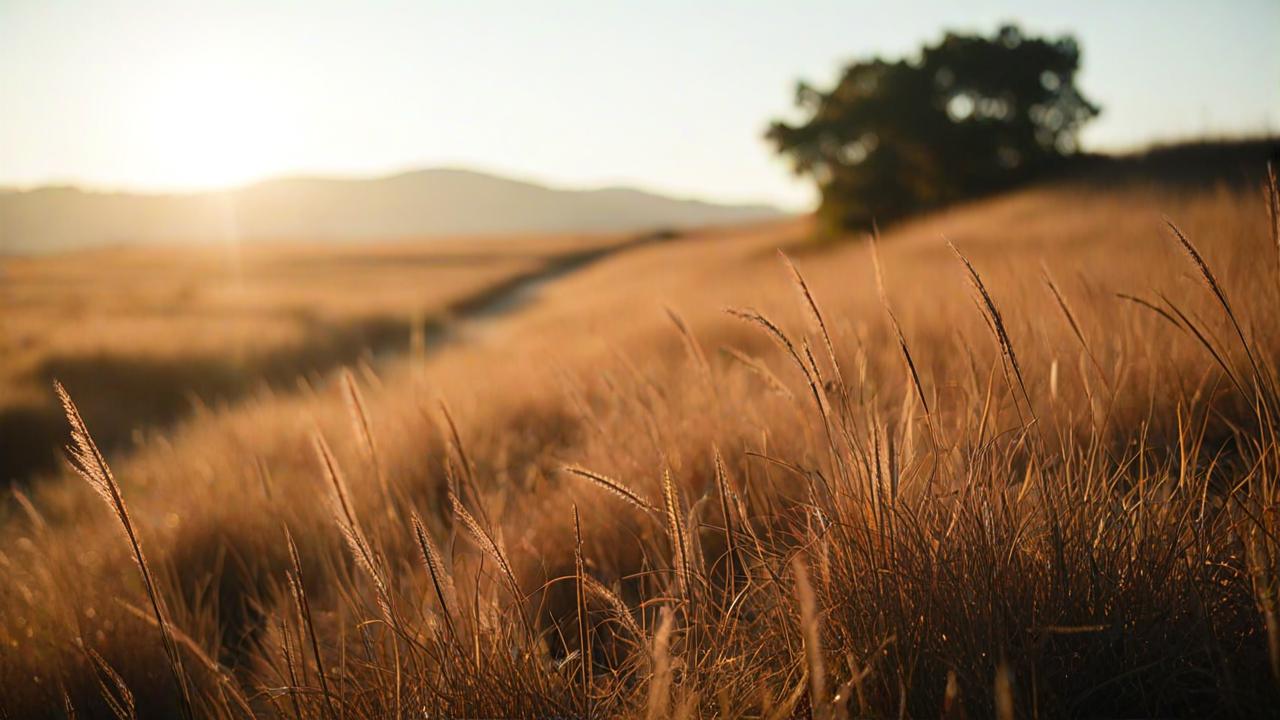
point(422, 203)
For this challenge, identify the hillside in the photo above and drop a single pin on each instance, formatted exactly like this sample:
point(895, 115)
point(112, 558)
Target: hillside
point(424, 203)
point(1032, 474)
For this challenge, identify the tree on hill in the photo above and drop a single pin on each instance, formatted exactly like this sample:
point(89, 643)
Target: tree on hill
point(966, 116)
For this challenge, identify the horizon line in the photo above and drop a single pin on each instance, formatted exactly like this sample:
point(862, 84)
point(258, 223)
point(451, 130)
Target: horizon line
point(187, 190)
point(184, 190)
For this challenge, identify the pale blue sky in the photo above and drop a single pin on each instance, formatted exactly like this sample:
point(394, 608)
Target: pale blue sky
point(671, 96)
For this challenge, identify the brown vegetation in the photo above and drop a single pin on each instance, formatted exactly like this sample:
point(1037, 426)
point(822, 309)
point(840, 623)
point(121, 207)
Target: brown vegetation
point(1035, 472)
point(140, 335)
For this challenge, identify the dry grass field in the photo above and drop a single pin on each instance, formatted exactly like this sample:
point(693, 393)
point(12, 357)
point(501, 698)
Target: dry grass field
point(141, 333)
point(1018, 458)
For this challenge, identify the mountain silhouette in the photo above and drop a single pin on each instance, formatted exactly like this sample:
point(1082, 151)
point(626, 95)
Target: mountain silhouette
point(422, 203)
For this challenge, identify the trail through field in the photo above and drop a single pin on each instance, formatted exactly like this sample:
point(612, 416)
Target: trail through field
point(472, 316)
point(31, 436)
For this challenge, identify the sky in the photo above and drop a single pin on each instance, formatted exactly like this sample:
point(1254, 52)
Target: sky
point(671, 96)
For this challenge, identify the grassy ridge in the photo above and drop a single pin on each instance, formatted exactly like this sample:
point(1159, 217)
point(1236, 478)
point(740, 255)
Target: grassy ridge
point(1034, 471)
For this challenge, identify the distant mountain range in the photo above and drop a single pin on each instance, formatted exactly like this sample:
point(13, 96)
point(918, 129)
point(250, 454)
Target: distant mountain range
point(423, 203)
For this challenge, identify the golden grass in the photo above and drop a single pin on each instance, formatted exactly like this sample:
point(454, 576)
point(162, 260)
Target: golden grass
point(885, 494)
point(139, 334)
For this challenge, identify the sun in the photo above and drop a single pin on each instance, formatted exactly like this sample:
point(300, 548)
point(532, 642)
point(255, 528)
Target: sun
point(202, 125)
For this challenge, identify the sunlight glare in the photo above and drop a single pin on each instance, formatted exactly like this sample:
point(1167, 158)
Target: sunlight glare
point(207, 124)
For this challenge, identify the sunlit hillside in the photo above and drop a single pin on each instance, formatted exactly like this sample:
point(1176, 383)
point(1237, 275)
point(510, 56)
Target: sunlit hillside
point(1018, 458)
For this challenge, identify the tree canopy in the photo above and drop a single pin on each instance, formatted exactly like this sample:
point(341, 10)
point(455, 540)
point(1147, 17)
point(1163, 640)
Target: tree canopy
point(968, 115)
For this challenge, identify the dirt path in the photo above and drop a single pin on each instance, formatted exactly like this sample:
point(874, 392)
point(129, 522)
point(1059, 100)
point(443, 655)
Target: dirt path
point(514, 294)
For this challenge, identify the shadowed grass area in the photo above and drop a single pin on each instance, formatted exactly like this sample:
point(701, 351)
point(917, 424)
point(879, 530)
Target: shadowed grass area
point(127, 395)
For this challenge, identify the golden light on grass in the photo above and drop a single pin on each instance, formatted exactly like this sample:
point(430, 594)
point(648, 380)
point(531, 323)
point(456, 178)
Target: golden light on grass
point(590, 514)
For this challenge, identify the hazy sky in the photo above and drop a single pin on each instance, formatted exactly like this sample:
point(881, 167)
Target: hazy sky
point(671, 96)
